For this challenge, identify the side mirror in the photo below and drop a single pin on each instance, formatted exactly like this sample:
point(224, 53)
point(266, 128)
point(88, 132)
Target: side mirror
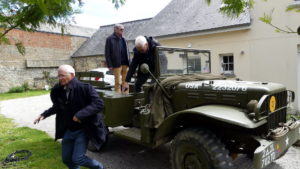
point(144, 68)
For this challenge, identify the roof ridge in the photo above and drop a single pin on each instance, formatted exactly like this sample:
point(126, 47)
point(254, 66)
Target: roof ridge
point(137, 20)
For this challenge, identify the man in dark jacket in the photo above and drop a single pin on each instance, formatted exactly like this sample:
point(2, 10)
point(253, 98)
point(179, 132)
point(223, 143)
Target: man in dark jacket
point(144, 52)
point(116, 55)
point(77, 106)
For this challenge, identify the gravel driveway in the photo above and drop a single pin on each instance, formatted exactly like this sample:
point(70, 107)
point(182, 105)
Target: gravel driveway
point(120, 154)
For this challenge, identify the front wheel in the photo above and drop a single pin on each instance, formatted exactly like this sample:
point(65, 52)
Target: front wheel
point(199, 149)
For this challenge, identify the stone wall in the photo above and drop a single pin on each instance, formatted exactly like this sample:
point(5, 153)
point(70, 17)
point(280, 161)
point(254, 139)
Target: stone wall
point(82, 64)
point(44, 52)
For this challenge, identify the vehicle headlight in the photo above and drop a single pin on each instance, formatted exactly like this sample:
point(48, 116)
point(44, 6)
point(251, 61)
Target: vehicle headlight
point(251, 106)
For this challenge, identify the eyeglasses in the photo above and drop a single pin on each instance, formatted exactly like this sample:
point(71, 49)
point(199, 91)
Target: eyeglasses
point(62, 75)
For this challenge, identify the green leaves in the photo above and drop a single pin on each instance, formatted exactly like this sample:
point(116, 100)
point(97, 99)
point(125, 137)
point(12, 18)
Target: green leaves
point(20, 48)
point(267, 18)
point(28, 15)
point(295, 8)
point(236, 7)
point(4, 41)
point(208, 2)
point(118, 3)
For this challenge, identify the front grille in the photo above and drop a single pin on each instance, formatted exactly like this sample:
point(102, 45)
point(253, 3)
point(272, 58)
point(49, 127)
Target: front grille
point(281, 99)
point(276, 117)
point(279, 115)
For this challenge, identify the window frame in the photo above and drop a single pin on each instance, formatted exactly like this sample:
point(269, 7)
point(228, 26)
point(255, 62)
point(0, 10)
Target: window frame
point(229, 71)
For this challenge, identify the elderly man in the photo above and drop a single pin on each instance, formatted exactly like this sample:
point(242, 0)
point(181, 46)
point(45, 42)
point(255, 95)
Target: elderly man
point(77, 107)
point(116, 55)
point(144, 52)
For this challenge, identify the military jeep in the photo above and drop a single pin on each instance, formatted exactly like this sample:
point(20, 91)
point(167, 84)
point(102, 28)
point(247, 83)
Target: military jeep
point(208, 119)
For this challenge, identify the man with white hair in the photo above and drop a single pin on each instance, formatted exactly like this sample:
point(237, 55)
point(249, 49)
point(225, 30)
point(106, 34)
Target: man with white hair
point(77, 106)
point(117, 56)
point(144, 52)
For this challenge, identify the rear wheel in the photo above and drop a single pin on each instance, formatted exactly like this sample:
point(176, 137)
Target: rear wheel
point(199, 149)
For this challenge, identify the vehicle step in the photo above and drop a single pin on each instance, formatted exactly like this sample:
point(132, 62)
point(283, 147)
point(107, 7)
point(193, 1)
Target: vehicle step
point(132, 134)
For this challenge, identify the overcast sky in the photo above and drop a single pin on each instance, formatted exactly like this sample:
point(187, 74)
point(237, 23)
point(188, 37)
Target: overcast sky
point(102, 12)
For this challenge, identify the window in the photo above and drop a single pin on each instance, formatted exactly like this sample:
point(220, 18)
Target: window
point(194, 65)
point(227, 64)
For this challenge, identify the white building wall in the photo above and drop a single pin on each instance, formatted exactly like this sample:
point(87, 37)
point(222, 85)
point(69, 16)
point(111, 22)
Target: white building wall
point(260, 53)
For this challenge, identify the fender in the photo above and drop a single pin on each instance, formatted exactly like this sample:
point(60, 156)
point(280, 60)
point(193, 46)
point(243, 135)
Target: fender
point(222, 113)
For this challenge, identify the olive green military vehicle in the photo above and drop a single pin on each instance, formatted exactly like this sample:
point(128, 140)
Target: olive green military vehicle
point(208, 119)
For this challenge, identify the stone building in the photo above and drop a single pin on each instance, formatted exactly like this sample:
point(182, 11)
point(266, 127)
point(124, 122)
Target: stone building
point(46, 49)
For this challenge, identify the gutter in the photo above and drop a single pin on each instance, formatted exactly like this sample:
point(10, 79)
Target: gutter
point(245, 26)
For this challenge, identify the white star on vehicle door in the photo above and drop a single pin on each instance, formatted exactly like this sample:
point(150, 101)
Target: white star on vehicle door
point(287, 141)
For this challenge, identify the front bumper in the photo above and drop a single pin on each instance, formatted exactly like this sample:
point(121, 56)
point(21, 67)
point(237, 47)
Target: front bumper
point(270, 150)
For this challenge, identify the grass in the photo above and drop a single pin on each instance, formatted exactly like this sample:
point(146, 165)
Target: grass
point(7, 96)
point(46, 153)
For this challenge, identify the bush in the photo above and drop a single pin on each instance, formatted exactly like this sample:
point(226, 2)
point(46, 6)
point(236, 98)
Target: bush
point(50, 80)
point(25, 86)
point(20, 89)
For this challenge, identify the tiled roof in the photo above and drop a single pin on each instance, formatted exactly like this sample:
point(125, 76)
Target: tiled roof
point(188, 16)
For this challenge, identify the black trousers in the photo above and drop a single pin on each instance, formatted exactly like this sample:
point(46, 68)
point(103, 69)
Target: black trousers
point(141, 79)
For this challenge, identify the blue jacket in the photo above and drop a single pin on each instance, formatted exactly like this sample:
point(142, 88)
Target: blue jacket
point(140, 58)
point(85, 104)
point(113, 51)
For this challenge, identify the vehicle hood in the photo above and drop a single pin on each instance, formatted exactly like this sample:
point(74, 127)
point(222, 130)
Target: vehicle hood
point(231, 86)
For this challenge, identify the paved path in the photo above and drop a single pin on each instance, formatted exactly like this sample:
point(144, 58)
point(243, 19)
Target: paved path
point(120, 154)
point(25, 110)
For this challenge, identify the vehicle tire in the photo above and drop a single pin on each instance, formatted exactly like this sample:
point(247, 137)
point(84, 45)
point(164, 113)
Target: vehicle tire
point(199, 149)
point(297, 144)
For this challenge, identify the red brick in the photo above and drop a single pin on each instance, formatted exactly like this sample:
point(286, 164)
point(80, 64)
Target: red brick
point(41, 39)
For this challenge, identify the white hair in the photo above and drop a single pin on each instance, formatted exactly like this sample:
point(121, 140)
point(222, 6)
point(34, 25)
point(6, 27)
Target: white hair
point(67, 68)
point(117, 26)
point(140, 41)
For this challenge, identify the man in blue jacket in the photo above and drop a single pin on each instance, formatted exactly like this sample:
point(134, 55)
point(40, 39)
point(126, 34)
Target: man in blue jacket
point(77, 106)
point(144, 52)
point(117, 56)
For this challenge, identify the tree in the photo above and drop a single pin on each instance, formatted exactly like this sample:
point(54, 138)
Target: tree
point(28, 15)
point(236, 7)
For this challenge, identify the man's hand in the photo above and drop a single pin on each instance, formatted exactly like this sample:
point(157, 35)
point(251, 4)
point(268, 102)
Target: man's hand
point(125, 87)
point(37, 120)
point(76, 119)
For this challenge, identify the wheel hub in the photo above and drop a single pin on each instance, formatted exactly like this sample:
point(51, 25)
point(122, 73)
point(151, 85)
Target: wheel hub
point(192, 162)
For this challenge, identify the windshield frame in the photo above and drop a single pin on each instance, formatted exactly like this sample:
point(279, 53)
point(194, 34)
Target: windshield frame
point(186, 51)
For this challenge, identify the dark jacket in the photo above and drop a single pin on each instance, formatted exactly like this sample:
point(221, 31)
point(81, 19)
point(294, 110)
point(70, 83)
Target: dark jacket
point(85, 104)
point(113, 51)
point(140, 58)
